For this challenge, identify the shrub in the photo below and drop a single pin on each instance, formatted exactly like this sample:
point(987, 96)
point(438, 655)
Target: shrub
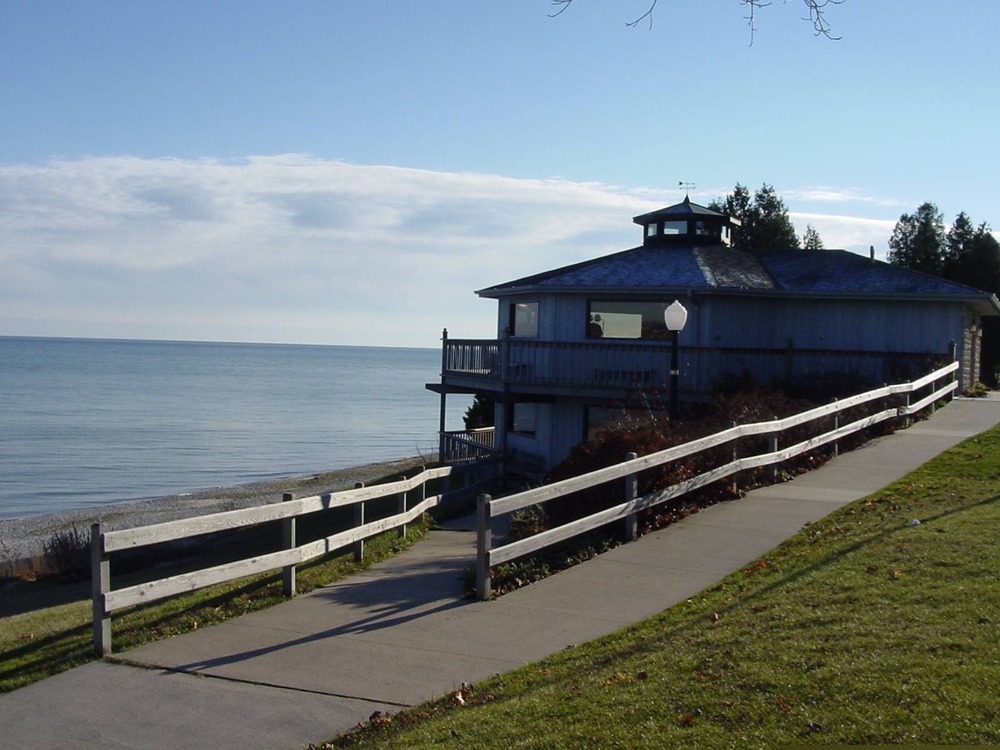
point(611, 446)
point(67, 553)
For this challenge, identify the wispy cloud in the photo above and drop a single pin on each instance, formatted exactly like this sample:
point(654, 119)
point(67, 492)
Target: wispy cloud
point(294, 248)
point(852, 233)
point(838, 195)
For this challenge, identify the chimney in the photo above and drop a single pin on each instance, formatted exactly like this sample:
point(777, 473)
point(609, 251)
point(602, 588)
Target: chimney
point(871, 252)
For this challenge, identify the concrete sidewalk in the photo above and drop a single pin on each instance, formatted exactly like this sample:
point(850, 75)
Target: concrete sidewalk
point(398, 634)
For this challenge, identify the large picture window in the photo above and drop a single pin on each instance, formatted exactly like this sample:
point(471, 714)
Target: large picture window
point(525, 319)
point(611, 319)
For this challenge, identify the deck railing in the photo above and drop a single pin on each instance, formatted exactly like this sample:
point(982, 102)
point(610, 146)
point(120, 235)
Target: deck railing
point(412, 501)
point(929, 388)
point(646, 364)
point(467, 446)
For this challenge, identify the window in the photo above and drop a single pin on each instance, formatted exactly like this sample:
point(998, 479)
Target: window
point(626, 320)
point(524, 418)
point(525, 319)
point(675, 227)
point(652, 229)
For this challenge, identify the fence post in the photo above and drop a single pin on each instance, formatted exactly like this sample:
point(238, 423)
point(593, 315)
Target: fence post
point(359, 520)
point(953, 348)
point(100, 584)
point(773, 447)
point(836, 426)
point(631, 490)
point(735, 456)
point(422, 489)
point(401, 508)
point(444, 396)
point(484, 584)
point(288, 542)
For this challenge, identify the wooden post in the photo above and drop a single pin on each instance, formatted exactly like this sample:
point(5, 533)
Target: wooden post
point(442, 420)
point(836, 426)
point(631, 490)
point(288, 542)
point(735, 456)
point(774, 449)
point(421, 490)
point(400, 509)
point(359, 520)
point(484, 541)
point(100, 584)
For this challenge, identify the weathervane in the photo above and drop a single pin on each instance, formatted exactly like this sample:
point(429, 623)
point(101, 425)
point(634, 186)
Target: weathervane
point(687, 187)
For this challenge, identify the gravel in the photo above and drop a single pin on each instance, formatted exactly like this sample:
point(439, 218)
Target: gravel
point(24, 538)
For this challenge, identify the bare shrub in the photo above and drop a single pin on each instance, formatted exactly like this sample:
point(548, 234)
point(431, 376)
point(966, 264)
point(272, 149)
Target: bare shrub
point(67, 553)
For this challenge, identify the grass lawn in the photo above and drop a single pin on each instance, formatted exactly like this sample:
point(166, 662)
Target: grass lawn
point(863, 629)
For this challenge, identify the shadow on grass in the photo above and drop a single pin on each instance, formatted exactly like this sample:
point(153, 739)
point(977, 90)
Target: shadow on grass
point(46, 656)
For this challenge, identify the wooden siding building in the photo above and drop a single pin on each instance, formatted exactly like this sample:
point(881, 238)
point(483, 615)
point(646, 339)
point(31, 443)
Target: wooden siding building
point(580, 346)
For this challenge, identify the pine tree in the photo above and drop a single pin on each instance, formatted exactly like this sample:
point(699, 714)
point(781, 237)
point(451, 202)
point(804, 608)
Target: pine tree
point(764, 221)
point(480, 413)
point(811, 239)
point(918, 240)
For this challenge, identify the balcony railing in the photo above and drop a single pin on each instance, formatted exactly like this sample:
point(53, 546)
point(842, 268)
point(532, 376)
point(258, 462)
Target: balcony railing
point(646, 365)
point(468, 446)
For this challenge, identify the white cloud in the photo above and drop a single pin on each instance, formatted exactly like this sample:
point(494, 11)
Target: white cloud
point(826, 194)
point(847, 232)
point(297, 249)
point(285, 248)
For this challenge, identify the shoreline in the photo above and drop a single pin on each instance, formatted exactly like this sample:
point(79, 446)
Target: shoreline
point(23, 539)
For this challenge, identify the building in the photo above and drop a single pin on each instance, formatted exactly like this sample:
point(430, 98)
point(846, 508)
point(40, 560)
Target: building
point(579, 345)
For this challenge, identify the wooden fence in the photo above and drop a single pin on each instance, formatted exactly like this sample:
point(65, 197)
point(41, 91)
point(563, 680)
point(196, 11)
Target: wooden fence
point(412, 502)
point(488, 508)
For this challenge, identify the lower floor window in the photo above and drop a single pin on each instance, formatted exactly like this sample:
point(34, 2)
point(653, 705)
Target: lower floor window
point(524, 418)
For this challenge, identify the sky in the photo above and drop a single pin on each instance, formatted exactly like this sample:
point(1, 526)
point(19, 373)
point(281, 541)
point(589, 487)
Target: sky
point(350, 172)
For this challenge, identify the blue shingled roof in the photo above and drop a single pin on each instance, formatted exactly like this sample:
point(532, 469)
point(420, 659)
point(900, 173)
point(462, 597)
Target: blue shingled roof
point(723, 268)
point(652, 267)
point(684, 209)
point(848, 273)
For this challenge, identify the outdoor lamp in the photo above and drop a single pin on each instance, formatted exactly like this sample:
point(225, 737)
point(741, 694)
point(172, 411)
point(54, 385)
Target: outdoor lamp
point(675, 316)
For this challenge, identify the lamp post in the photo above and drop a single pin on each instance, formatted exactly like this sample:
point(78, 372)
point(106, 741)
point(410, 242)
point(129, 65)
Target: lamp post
point(675, 316)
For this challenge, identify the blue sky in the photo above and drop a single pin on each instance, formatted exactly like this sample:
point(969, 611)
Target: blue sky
point(349, 172)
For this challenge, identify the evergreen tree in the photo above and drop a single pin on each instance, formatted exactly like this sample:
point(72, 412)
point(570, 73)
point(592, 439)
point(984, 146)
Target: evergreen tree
point(811, 239)
point(764, 219)
point(918, 240)
point(959, 239)
point(480, 413)
point(973, 256)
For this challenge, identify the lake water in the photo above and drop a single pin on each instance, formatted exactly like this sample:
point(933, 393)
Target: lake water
point(87, 422)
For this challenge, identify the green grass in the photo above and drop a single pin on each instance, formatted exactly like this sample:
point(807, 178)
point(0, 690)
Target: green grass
point(45, 641)
point(861, 629)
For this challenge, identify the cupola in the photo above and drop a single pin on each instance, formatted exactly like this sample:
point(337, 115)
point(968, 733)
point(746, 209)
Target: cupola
point(686, 223)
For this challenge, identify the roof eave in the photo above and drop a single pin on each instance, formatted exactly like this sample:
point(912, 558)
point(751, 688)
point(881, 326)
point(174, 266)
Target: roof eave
point(984, 303)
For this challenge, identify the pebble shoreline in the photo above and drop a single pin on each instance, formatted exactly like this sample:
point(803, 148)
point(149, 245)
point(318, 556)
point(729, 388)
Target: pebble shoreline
point(24, 538)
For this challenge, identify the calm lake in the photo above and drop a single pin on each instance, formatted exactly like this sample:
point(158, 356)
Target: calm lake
point(87, 422)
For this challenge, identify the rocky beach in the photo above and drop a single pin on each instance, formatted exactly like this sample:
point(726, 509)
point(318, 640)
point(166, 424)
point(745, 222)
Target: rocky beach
point(23, 539)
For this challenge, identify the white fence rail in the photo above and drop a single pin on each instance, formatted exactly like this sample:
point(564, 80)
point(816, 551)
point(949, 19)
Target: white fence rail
point(488, 508)
point(412, 503)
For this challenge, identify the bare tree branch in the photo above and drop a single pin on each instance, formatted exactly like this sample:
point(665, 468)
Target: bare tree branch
point(816, 17)
point(816, 14)
point(648, 14)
